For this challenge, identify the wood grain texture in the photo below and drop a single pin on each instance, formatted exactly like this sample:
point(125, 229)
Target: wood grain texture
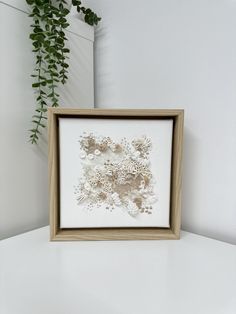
point(53, 160)
point(58, 234)
point(115, 234)
point(117, 112)
point(176, 174)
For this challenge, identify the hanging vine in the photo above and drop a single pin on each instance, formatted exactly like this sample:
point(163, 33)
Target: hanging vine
point(51, 54)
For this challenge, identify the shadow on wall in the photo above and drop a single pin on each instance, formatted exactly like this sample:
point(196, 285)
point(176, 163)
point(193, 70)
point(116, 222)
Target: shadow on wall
point(196, 192)
point(189, 173)
point(104, 82)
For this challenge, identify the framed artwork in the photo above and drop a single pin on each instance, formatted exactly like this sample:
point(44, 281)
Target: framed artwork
point(115, 174)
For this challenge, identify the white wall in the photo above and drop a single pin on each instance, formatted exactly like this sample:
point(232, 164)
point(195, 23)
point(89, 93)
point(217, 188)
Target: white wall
point(179, 54)
point(23, 167)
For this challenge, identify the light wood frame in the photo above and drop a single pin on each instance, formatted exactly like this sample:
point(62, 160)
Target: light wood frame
point(131, 233)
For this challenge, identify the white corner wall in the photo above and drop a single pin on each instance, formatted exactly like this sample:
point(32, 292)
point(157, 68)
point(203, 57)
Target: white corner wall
point(179, 54)
point(23, 167)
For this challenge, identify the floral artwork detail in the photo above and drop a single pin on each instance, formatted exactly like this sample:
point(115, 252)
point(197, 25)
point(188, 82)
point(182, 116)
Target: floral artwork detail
point(116, 174)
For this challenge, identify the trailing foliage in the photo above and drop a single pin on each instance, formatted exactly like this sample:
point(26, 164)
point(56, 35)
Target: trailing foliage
point(51, 54)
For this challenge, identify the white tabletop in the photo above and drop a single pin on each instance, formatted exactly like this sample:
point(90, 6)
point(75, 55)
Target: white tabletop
point(194, 275)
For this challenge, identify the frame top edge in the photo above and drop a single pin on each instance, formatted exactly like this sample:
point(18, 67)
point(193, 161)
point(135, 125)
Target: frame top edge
point(113, 111)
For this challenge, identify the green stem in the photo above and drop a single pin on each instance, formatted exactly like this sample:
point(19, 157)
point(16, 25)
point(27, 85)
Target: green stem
point(38, 119)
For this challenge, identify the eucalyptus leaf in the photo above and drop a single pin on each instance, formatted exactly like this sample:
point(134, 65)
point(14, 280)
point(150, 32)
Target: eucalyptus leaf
point(49, 20)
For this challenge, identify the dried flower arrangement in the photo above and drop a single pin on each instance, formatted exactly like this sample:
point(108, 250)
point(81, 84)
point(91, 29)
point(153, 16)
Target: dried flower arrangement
point(116, 174)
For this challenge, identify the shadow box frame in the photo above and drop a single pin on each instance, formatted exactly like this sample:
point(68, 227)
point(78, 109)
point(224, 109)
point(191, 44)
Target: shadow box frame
point(115, 233)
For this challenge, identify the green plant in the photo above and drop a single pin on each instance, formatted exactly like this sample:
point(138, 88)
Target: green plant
point(48, 39)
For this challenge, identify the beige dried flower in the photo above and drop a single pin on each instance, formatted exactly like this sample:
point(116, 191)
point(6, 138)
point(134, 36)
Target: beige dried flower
point(120, 176)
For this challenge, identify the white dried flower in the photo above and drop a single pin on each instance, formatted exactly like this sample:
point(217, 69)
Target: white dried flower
point(116, 199)
point(109, 172)
point(142, 184)
point(99, 139)
point(144, 162)
point(152, 199)
point(97, 152)
point(132, 208)
point(113, 147)
point(87, 186)
point(121, 179)
point(97, 168)
point(82, 155)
